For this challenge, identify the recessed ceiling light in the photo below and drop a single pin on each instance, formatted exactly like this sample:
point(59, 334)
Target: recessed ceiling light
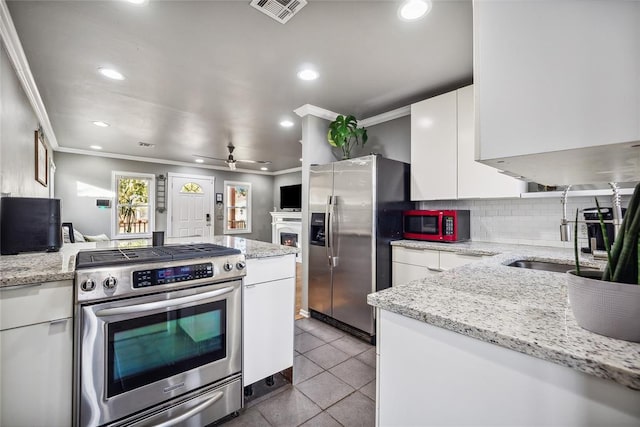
point(308, 74)
point(286, 123)
point(264, 169)
point(95, 147)
point(101, 124)
point(300, 158)
point(137, 1)
point(111, 73)
point(199, 161)
point(411, 10)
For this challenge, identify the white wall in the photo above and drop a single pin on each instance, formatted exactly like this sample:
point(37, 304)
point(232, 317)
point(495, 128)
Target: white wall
point(80, 180)
point(522, 221)
point(391, 139)
point(18, 124)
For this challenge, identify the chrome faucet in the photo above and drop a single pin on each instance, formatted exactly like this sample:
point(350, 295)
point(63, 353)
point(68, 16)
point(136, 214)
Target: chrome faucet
point(617, 209)
point(564, 223)
point(617, 213)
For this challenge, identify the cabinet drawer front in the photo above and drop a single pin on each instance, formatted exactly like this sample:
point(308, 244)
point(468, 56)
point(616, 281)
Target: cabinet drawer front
point(423, 257)
point(450, 260)
point(30, 304)
point(267, 269)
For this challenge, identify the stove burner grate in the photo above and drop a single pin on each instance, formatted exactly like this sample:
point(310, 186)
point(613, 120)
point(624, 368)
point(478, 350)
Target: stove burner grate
point(109, 257)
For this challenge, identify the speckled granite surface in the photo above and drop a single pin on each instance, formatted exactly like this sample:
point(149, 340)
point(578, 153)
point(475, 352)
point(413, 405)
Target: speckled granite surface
point(523, 310)
point(47, 267)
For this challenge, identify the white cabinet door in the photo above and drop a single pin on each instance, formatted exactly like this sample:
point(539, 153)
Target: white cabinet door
point(433, 148)
point(35, 375)
point(477, 180)
point(552, 76)
point(404, 273)
point(268, 316)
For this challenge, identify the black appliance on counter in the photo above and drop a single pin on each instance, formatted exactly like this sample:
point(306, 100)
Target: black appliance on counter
point(29, 224)
point(594, 231)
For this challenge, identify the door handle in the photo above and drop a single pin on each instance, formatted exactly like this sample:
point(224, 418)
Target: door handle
point(327, 236)
point(176, 303)
point(191, 412)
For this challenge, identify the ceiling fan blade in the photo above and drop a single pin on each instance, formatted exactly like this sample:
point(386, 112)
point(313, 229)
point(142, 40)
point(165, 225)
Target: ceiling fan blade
point(212, 158)
point(260, 162)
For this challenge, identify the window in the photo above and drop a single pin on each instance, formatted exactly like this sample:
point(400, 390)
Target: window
point(237, 208)
point(134, 208)
point(191, 187)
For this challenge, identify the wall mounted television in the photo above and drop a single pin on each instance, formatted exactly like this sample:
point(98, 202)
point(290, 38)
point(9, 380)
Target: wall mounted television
point(291, 197)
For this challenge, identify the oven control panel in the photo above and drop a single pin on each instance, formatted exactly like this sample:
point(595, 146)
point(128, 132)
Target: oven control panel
point(93, 284)
point(167, 275)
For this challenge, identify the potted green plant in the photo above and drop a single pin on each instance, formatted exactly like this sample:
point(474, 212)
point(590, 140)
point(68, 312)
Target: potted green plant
point(345, 134)
point(608, 303)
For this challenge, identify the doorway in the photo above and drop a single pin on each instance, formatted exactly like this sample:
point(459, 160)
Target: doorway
point(190, 205)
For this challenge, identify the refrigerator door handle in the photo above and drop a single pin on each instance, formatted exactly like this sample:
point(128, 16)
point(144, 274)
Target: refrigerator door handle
point(332, 217)
point(327, 235)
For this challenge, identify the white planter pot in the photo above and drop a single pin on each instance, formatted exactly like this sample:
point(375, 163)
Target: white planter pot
point(606, 308)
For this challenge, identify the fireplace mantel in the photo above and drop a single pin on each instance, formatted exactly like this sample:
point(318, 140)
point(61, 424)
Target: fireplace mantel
point(286, 223)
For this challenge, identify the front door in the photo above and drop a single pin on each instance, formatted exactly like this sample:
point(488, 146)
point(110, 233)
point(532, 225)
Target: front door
point(190, 201)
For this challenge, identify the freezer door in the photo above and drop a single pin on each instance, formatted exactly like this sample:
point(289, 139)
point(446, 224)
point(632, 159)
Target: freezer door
point(320, 188)
point(353, 248)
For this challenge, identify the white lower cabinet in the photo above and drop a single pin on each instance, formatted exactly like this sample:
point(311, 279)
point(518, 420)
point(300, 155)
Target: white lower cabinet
point(36, 352)
point(429, 376)
point(268, 316)
point(413, 264)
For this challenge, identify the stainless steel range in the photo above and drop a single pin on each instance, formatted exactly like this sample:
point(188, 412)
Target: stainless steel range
point(158, 335)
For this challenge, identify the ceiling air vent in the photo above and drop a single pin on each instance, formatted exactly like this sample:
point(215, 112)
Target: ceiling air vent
point(280, 10)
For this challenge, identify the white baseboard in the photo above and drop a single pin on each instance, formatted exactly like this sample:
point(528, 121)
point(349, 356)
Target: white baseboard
point(304, 313)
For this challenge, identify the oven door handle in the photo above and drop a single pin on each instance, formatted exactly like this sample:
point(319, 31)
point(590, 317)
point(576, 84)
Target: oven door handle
point(138, 308)
point(191, 412)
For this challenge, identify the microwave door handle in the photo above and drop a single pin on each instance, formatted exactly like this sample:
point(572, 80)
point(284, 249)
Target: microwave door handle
point(149, 306)
point(440, 231)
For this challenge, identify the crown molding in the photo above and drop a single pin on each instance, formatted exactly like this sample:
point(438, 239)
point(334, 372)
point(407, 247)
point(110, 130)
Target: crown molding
point(285, 171)
point(385, 117)
point(158, 161)
point(23, 72)
point(312, 110)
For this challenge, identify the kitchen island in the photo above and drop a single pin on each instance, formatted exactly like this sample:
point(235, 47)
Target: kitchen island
point(37, 296)
point(485, 343)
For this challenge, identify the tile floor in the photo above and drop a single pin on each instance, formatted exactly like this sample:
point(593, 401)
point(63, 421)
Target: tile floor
point(334, 383)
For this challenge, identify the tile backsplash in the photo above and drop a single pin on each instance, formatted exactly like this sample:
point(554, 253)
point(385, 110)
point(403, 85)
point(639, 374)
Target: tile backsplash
point(522, 221)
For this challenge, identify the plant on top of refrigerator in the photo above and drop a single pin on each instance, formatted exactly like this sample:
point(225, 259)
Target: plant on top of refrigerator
point(345, 134)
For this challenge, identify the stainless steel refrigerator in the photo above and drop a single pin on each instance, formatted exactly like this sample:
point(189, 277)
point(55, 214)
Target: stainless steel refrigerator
point(355, 209)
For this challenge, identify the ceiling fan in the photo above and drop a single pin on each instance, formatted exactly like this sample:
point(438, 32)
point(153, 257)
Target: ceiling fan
point(231, 161)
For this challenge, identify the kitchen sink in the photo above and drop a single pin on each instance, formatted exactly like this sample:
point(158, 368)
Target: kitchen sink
point(542, 265)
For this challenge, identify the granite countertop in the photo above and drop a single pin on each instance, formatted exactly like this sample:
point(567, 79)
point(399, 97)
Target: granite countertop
point(38, 267)
point(516, 308)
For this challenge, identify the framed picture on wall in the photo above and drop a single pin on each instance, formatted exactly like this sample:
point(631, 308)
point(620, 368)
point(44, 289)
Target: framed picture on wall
point(42, 159)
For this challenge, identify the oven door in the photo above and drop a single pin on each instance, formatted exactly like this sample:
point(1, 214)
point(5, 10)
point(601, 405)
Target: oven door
point(138, 352)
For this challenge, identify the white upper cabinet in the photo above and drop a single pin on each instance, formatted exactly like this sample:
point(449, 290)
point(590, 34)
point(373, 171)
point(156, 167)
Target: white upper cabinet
point(434, 131)
point(477, 180)
point(553, 76)
point(443, 152)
